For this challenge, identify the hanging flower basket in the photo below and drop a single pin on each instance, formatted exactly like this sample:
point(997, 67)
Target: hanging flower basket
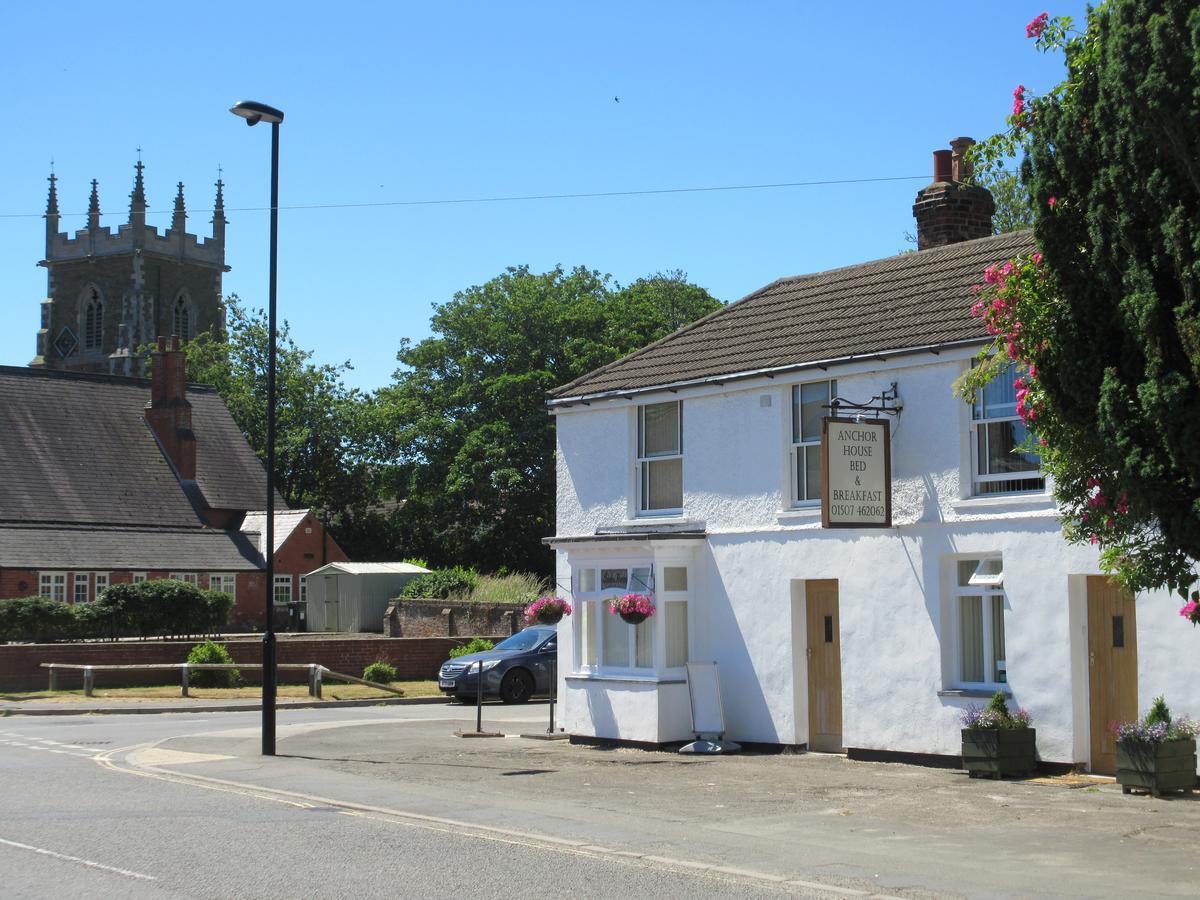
point(632, 608)
point(547, 610)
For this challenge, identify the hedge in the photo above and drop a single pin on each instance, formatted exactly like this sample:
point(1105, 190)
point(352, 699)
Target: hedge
point(162, 608)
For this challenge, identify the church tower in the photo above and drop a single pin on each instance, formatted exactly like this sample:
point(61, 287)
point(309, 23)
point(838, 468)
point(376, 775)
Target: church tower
point(109, 294)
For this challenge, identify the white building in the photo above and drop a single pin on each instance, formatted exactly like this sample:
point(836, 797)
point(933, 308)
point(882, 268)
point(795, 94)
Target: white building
point(689, 470)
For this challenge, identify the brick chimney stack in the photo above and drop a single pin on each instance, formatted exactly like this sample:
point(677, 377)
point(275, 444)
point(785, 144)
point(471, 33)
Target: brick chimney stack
point(168, 413)
point(950, 210)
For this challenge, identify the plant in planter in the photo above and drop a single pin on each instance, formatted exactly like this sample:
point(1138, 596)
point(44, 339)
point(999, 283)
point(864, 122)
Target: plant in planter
point(547, 610)
point(997, 742)
point(633, 608)
point(1158, 753)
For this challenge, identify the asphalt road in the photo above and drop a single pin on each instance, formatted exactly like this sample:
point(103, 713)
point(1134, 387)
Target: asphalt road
point(386, 801)
point(72, 827)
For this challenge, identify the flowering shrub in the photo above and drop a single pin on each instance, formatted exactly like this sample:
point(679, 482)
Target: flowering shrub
point(995, 715)
point(1191, 609)
point(1156, 727)
point(548, 604)
point(632, 603)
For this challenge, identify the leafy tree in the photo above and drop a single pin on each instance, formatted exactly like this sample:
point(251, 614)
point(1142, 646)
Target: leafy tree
point(465, 418)
point(1106, 317)
point(321, 425)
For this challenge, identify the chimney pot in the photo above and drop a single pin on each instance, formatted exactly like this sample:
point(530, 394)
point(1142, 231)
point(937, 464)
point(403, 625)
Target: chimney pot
point(174, 342)
point(942, 165)
point(162, 343)
point(960, 167)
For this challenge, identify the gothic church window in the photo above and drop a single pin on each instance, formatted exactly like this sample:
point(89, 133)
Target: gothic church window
point(93, 318)
point(183, 319)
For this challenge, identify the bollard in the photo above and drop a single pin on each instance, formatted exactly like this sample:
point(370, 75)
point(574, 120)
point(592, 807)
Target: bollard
point(318, 672)
point(479, 698)
point(53, 678)
point(183, 680)
point(312, 680)
point(88, 681)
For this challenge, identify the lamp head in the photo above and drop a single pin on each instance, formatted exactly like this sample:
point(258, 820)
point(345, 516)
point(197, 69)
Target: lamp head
point(254, 112)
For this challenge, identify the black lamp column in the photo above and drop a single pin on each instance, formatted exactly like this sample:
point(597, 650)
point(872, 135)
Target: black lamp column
point(254, 113)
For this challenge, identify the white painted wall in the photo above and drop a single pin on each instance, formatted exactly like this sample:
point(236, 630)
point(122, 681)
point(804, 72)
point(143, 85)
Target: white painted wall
point(894, 584)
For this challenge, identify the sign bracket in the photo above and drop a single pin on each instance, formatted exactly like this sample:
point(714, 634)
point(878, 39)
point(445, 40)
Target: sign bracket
point(879, 404)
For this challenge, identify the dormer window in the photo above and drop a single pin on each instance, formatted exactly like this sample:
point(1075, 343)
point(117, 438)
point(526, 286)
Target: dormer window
point(93, 318)
point(182, 318)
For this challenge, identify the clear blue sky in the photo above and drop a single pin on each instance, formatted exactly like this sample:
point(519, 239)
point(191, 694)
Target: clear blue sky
point(401, 101)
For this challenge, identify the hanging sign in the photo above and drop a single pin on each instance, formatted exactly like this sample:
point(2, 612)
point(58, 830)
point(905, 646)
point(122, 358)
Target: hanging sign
point(856, 473)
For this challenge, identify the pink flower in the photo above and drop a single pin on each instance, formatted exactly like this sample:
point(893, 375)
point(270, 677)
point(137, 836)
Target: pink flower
point(1052, 201)
point(1033, 371)
point(1042, 441)
point(1123, 504)
point(1095, 539)
point(1019, 100)
point(1035, 28)
point(1190, 610)
point(1093, 482)
point(1037, 257)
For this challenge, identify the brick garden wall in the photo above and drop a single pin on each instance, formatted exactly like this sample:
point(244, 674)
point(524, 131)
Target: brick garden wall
point(413, 657)
point(440, 618)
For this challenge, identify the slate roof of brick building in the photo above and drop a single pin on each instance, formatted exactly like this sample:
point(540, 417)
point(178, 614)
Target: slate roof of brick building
point(903, 302)
point(106, 547)
point(76, 449)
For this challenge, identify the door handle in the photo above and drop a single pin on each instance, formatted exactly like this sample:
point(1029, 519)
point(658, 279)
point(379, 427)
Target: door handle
point(810, 652)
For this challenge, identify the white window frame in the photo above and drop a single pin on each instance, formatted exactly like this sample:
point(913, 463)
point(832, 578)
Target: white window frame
point(644, 462)
point(138, 577)
point(668, 599)
point(979, 433)
point(802, 444)
point(986, 583)
point(81, 580)
point(598, 600)
point(102, 581)
point(190, 577)
point(303, 588)
point(281, 581)
point(51, 584)
point(226, 582)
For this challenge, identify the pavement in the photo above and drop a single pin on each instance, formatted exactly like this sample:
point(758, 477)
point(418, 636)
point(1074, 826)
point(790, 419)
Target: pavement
point(115, 706)
point(746, 825)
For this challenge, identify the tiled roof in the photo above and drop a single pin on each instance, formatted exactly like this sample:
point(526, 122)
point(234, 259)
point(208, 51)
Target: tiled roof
point(76, 449)
point(107, 548)
point(907, 301)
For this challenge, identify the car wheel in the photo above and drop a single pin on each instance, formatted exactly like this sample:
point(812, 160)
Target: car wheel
point(517, 686)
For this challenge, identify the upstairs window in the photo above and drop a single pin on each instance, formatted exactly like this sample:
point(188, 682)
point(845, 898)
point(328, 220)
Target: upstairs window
point(810, 404)
point(660, 457)
point(93, 319)
point(996, 433)
point(181, 316)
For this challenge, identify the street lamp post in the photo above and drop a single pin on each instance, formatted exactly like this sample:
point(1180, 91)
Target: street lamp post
point(254, 113)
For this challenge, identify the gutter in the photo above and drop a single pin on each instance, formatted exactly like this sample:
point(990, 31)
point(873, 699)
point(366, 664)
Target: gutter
point(771, 372)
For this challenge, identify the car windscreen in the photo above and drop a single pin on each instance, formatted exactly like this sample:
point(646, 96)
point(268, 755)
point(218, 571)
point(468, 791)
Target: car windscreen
point(522, 640)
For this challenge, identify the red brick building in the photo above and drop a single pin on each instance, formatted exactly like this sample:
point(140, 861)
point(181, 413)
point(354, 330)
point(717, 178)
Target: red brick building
point(107, 479)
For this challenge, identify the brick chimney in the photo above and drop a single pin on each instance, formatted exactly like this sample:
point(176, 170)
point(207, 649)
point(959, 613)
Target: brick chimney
point(168, 413)
point(949, 210)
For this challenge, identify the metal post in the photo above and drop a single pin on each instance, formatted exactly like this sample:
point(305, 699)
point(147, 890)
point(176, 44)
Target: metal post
point(183, 680)
point(88, 681)
point(53, 678)
point(312, 680)
point(553, 691)
point(318, 684)
point(268, 654)
point(479, 697)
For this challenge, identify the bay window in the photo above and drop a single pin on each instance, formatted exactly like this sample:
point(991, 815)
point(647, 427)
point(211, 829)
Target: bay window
point(606, 643)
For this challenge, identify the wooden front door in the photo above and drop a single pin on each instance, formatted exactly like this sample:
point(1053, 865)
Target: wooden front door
point(824, 667)
point(1112, 666)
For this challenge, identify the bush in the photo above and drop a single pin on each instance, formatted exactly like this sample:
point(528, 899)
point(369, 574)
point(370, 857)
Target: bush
point(441, 583)
point(36, 619)
point(211, 652)
point(475, 645)
point(380, 671)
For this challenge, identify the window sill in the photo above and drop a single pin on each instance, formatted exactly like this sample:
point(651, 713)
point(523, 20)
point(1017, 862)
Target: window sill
point(1005, 503)
point(974, 693)
point(799, 514)
point(625, 679)
point(661, 519)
